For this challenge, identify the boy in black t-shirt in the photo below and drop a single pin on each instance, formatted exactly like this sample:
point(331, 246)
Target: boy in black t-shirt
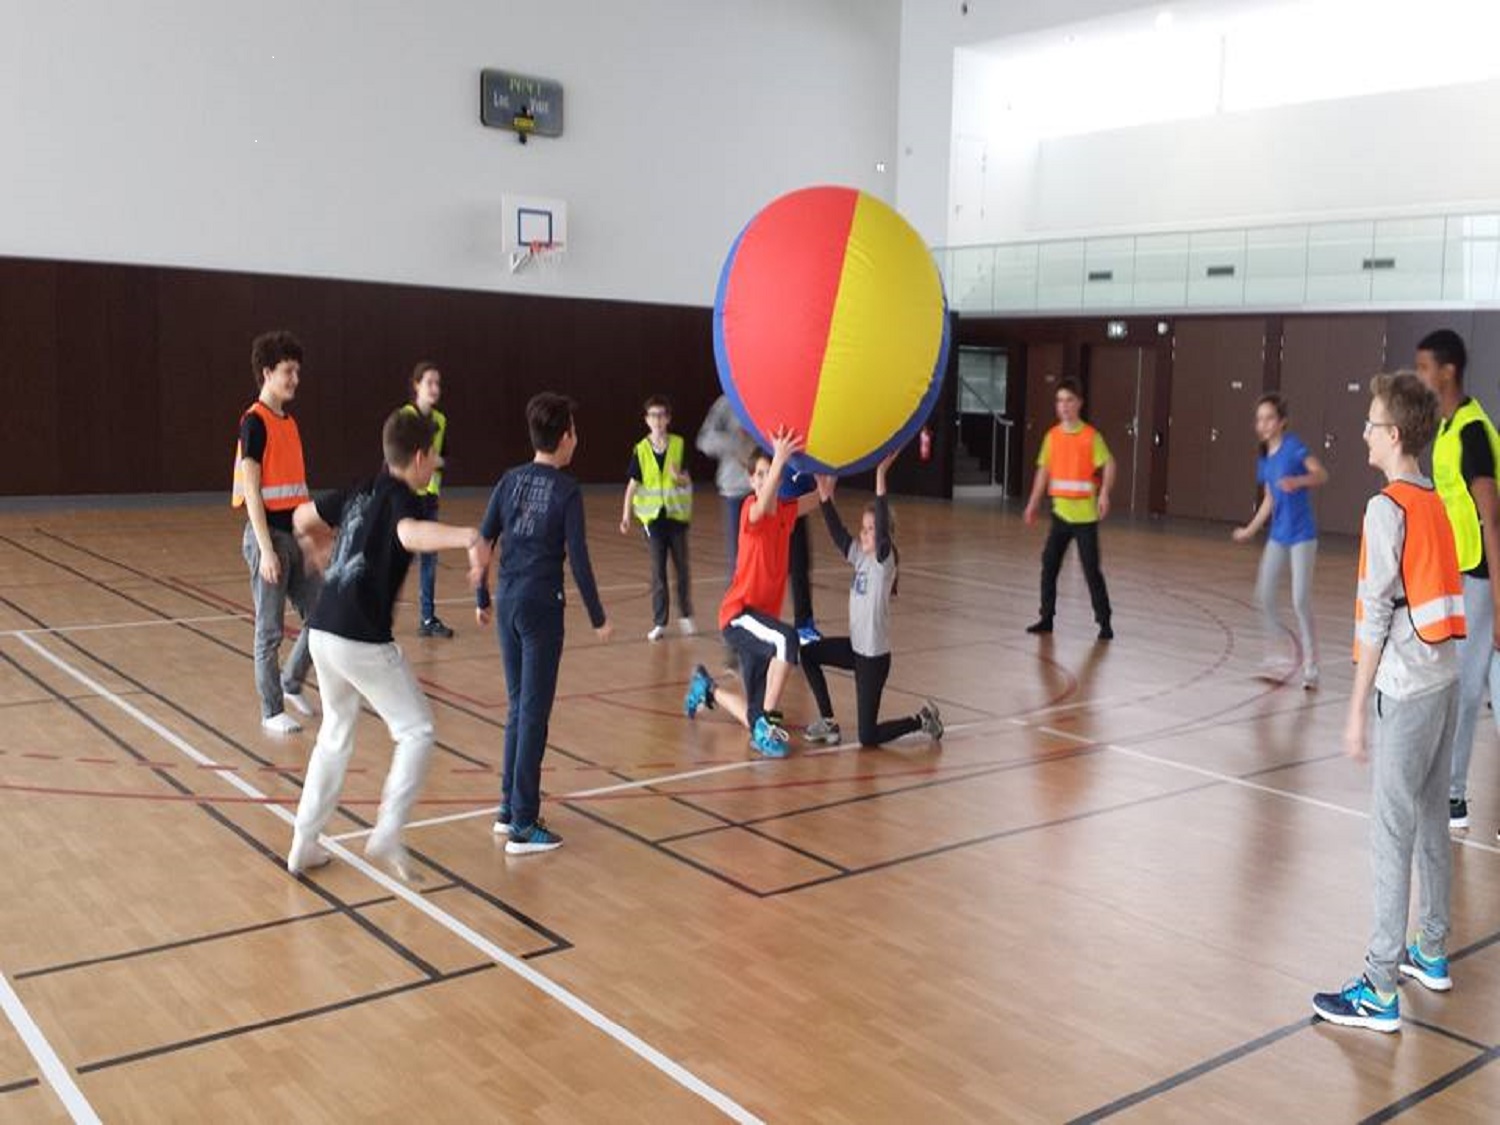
point(379, 528)
point(536, 515)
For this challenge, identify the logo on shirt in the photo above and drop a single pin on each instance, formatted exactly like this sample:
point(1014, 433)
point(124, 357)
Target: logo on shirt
point(349, 562)
point(531, 500)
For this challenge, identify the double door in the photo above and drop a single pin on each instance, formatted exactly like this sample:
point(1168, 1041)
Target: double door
point(1218, 370)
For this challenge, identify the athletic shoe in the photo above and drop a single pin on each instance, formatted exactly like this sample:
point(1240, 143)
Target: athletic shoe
point(931, 720)
point(502, 821)
point(1310, 678)
point(1431, 972)
point(824, 731)
point(768, 739)
point(700, 692)
point(1106, 633)
point(1042, 625)
point(434, 627)
point(1458, 812)
point(300, 703)
point(1359, 1005)
point(687, 625)
point(305, 854)
point(808, 633)
point(537, 838)
point(281, 723)
point(657, 633)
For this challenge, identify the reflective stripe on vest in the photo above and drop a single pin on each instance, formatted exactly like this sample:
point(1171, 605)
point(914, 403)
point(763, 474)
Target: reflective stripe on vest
point(1448, 476)
point(440, 430)
point(1429, 568)
point(658, 491)
point(283, 480)
point(1070, 463)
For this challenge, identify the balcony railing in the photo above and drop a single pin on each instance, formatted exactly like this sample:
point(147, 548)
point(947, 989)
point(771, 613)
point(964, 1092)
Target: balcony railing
point(1412, 261)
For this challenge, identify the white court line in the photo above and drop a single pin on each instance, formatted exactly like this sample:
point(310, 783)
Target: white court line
point(57, 1075)
point(155, 622)
point(1245, 783)
point(620, 1034)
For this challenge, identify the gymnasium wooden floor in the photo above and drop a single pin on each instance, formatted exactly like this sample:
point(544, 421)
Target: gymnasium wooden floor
point(1110, 894)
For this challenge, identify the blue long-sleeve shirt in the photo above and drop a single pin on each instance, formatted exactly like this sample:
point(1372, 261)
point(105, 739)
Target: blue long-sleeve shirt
point(536, 514)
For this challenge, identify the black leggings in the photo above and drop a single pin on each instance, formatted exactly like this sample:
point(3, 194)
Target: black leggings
point(870, 674)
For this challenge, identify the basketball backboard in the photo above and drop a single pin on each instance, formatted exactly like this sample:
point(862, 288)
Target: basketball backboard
point(535, 227)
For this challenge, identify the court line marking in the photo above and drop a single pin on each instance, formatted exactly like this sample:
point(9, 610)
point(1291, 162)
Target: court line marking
point(56, 1074)
point(156, 622)
point(579, 1007)
point(1244, 783)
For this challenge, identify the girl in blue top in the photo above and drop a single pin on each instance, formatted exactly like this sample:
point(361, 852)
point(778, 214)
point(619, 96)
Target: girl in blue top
point(1286, 471)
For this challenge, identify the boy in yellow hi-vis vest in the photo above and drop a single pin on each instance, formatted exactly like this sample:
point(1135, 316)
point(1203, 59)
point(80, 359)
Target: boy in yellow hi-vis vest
point(1071, 454)
point(1409, 613)
point(1464, 456)
point(426, 390)
point(660, 495)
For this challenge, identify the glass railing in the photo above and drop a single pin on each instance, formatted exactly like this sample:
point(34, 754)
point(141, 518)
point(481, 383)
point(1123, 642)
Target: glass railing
point(1384, 262)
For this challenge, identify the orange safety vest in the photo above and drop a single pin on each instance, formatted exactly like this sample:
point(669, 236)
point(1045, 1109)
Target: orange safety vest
point(1429, 567)
point(1070, 463)
point(283, 480)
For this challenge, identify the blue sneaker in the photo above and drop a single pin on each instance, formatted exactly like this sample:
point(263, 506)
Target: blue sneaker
point(537, 838)
point(1359, 1005)
point(807, 633)
point(1432, 972)
point(700, 692)
point(769, 739)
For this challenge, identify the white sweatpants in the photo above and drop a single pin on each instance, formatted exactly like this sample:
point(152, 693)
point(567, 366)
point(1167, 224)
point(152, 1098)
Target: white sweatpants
point(347, 671)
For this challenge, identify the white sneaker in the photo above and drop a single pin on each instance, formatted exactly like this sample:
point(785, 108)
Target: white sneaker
point(281, 723)
point(1310, 678)
point(392, 855)
point(687, 626)
point(304, 855)
point(300, 703)
point(656, 634)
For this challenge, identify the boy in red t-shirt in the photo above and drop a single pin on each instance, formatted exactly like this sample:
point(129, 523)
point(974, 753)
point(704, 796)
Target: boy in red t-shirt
point(766, 647)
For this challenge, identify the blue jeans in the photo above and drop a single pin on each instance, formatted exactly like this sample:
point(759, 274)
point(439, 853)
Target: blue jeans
point(531, 645)
point(427, 565)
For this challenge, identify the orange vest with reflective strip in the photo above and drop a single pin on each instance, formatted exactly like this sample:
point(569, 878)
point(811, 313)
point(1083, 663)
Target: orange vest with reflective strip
point(1429, 567)
point(283, 480)
point(1070, 463)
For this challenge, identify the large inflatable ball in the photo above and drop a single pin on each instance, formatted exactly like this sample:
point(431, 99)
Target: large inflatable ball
point(830, 319)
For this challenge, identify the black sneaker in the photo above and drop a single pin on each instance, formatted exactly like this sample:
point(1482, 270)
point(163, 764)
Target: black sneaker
point(1458, 813)
point(1106, 633)
point(434, 627)
point(1042, 626)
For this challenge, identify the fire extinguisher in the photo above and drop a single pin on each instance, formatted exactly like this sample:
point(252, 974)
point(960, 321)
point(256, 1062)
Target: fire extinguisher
point(924, 444)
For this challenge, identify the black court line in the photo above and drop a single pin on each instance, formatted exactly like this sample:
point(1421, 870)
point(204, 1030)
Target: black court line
point(1443, 1031)
point(1433, 1088)
point(558, 943)
point(1185, 1076)
point(214, 814)
point(280, 1021)
point(1235, 1053)
point(23, 1084)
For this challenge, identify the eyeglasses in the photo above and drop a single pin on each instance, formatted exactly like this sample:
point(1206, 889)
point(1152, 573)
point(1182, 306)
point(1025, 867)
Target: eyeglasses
point(1371, 424)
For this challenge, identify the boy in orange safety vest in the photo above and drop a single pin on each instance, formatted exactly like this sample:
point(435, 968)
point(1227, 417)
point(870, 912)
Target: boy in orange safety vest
point(269, 482)
point(1072, 453)
point(1409, 613)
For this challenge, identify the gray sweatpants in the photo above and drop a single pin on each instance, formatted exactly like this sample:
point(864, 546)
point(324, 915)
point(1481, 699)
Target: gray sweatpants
point(296, 586)
point(1409, 768)
point(1477, 669)
point(1272, 561)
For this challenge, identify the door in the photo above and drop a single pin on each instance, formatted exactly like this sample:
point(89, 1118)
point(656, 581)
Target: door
point(1217, 374)
point(1043, 371)
point(1326, 365)
point(1120, 399)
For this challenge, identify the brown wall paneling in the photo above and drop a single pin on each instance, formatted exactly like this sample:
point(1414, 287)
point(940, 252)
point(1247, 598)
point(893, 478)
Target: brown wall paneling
point(31, 431)
point(1044, 368)
point(1121, 385)
point(1483, 378)
point(1327, 362)
point(1217, 374)
point(1194, 356)
point(1158, 422)
point(107, 383)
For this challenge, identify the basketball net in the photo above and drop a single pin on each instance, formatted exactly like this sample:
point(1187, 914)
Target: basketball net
point(545, 255)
